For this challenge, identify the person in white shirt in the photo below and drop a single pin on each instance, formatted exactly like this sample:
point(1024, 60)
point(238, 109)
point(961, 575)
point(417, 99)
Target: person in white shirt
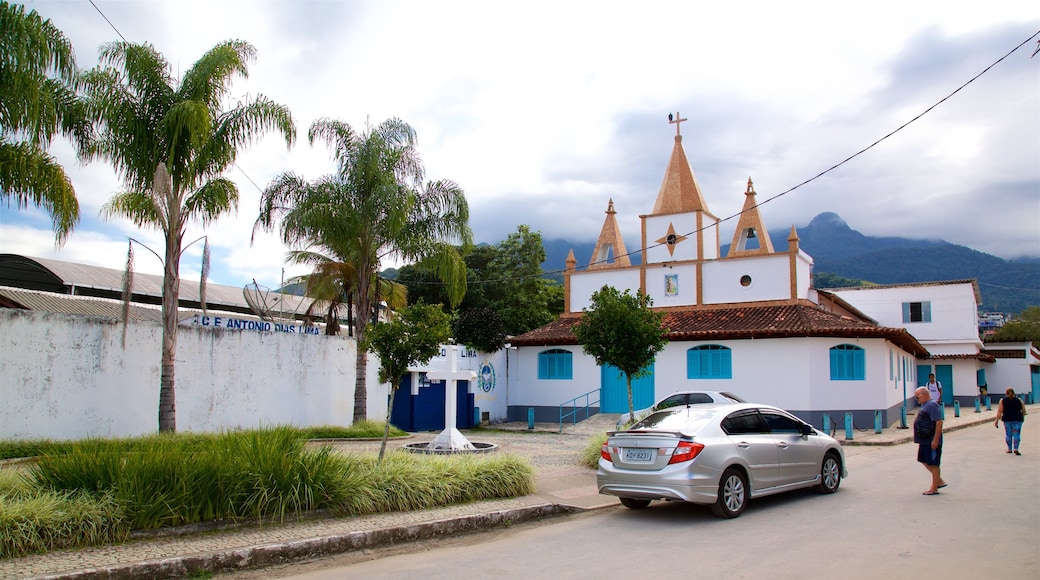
point(934, 389)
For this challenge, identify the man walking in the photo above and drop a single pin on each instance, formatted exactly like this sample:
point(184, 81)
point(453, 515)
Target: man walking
point(934, 390)
point(928, 436)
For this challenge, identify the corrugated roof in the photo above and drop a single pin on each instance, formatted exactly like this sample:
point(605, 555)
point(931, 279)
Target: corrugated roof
point(742, 323)
point(71, 278)
point(94, 307)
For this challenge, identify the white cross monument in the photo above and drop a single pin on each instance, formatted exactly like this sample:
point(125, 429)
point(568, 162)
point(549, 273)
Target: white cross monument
point(450, 438)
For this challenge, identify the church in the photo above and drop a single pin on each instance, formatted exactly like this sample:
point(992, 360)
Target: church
point(748, 322)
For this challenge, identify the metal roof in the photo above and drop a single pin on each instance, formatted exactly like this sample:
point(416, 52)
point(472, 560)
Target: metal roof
point(94, 307)
point(70, 278)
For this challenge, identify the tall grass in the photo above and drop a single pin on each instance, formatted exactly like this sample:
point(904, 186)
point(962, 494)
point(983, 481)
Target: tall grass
point(406, 481)
point(589, 456)
point(32, 520)
point(96, 490)
point(172, 480)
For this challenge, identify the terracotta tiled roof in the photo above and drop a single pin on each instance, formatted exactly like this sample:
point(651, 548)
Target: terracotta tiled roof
point(982, 356)
point(743, 323)
point(1005, 353)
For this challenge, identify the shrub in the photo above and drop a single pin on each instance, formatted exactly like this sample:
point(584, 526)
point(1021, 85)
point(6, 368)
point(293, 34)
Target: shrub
point(590, 454)
point(36, 521)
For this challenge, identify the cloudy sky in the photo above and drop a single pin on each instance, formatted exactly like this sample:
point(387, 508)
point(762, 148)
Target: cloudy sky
point(543, 111)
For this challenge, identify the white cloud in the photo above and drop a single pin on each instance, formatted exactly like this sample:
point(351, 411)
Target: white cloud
point(545, 110)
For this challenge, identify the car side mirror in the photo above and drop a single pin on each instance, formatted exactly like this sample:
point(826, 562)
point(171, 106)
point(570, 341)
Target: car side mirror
point(807, 429)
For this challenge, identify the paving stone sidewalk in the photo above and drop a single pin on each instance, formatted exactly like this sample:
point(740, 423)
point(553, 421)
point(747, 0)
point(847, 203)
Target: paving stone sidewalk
point(561, 487)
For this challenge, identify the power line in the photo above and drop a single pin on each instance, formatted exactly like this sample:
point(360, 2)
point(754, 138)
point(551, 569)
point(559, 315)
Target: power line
point(108, 21)
point(763, 202)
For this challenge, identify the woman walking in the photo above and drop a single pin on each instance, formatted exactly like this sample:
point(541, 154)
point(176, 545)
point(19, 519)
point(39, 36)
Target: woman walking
point(1013, 411)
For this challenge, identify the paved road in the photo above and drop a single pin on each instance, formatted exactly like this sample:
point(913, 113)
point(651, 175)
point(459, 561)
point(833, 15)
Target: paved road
point(984, 525)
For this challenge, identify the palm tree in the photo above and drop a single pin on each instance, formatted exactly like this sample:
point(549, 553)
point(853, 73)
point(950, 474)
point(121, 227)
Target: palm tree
point(169, 142)
point(38, 82)
point(331, 286)
point(374, 207)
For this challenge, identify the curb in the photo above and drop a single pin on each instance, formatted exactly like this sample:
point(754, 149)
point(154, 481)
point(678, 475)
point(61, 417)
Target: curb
point(909, 437)
point(286, 552)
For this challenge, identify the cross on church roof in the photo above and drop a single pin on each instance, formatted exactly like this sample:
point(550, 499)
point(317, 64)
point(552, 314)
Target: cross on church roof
point(675, 121)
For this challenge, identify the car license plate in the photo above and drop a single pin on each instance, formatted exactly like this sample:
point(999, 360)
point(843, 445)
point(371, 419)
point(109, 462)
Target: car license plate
point(636, 455)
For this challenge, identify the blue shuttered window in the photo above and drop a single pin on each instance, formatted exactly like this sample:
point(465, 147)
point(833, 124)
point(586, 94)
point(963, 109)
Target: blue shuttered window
point(710, 361)
point(848, 363)
point(917, 312)
point(555, 364)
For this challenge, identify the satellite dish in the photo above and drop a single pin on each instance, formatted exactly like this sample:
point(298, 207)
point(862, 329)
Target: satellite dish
point(260, 300)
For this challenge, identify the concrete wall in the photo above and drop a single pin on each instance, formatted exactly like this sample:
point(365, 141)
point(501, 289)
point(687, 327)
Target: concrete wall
point(67, 377)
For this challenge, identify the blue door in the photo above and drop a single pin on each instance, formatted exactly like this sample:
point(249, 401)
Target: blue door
point(425, 411)
point(1034, 376)
point(944, 374)
point(614, 390)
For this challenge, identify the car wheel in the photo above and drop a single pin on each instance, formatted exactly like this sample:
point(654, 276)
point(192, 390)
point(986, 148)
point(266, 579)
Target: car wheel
point(634, 504)
point(830, 474)
point(733, 494)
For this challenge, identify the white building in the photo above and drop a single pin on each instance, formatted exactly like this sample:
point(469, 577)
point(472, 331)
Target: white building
point(749, 322)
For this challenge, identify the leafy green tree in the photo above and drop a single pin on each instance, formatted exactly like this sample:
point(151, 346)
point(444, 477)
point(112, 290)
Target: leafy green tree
point(374, 207)
point(622, 330)
point(412, 336)
point(516, 286)
point(1024, 327)
point(38, 100)
point(170, 142)
point(506, 279)
point(479, 328)
point(831, 280)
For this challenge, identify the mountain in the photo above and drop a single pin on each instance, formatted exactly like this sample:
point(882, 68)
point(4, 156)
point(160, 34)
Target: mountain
point(1006, 286)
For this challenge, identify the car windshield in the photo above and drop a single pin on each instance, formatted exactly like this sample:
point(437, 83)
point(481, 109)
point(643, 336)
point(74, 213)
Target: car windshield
point(735, 398)
point(688, 420)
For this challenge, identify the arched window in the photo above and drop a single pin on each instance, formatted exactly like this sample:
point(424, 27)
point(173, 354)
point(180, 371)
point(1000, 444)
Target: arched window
point(554, 364)
point(709, 361)
point(848, 363)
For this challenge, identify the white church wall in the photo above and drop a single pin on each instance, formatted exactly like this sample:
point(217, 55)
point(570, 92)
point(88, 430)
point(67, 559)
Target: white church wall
point(683, 224)
point(584, 284)
point(790, 373)
point(531, 391)
point(803, 273)
point(672, 285)
point(770, 279)
point(67, 377)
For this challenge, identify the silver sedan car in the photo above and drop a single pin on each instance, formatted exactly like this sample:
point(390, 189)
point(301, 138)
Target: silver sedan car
point(679, 399)
point(719, 455)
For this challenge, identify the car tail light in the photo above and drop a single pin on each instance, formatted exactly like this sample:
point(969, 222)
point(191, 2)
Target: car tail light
point(604, 452)
point(685, 451)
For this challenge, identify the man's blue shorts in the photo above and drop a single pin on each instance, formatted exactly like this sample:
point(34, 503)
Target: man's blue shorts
point(927, 455)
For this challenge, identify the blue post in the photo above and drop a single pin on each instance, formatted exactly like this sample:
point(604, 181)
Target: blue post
point(848, 426)
point(988, 407)
point(902, 418)
point(827, 424)
point(530, 418)
point(877, 421)
point(978, 405)
point(956, 408)
point(476, 416)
